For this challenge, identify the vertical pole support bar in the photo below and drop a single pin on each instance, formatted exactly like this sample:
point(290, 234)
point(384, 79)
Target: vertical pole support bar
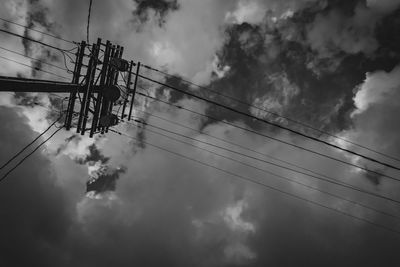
point(75, 79)
point(128, 88)
point(134, 91)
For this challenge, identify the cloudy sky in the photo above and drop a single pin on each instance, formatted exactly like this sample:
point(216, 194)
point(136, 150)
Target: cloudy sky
point(331, 64)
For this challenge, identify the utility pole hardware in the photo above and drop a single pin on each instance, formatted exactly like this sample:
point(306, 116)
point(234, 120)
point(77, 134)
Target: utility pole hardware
point(94, 84)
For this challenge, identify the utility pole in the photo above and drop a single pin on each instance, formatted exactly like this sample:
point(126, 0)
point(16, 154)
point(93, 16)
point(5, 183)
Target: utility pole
point(94, 83)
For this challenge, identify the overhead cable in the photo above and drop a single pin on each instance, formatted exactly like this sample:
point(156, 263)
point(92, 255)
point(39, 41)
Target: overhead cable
point(35, 59)
point(273, 124)
point(329, 180)
point(36, 41)
point(273, 138)
point(290, 180)
point(35, 68)
point(309, 173)
point(28, 145)
point(27, 156)
point(272, 113)
point(271, 188)
point(41, 32)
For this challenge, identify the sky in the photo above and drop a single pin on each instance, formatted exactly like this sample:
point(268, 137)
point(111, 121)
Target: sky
point(331, 64)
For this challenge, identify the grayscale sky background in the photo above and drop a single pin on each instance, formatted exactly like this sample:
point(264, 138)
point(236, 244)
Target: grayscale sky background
point(333, 64)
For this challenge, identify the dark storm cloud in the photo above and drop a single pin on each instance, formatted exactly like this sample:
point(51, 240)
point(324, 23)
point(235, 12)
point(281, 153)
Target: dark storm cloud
point(310, 241)
point(34, 213)
point(241, 53)
point(27, 99)
point(160, 8)
point(36, 18)
point(173, 95)
point(141, 136)
point(35, 15)
point(273, 65)
point(375, 179)
point(39, 220)
point(75, 138)
point(389, 40)
point(153, 218)
point(95, 155)
point(104, 180)
point(169, 215)
point(33, 100)
point(58, 105)
point(166, 94)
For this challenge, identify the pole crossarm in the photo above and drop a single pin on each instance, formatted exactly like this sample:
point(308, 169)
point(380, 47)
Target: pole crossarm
point(13, 84)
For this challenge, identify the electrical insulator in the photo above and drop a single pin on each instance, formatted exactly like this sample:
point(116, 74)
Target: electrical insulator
point(108, 120)
point(119, 63)
point(111, 92)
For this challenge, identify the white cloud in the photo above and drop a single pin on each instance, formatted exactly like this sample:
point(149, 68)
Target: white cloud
point(165, 55)
point(246, 11)
point(377, 88)
point(232, 217)
point(256, 11)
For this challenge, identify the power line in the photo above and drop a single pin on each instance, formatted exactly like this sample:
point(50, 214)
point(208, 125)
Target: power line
point(276, 175)
point(28, 145)
point(314, 174)
point(36, 41)
point(273, 124)
point(272, 138)
point(35, 68)
point(27, 156)
point(272, 188)
point(272, 113)
point(38, 60)
point(227, 141)
point(44, 33)
point(329, 180)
